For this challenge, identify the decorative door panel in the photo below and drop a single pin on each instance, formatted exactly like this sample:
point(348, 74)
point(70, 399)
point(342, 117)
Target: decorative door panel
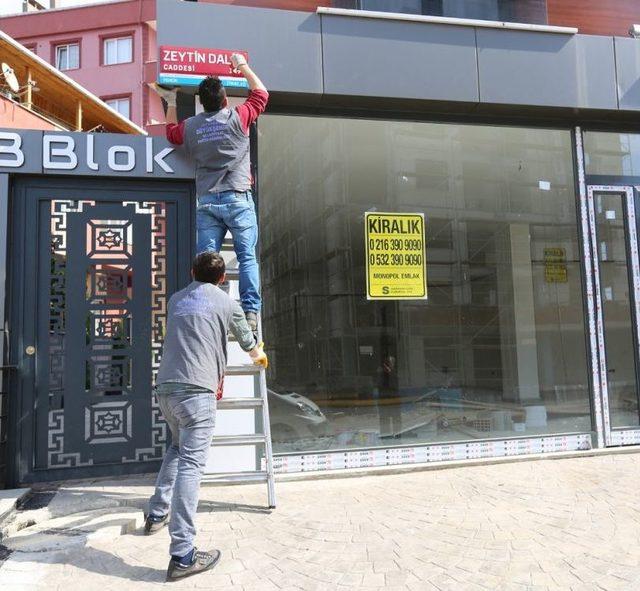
point(105, 263)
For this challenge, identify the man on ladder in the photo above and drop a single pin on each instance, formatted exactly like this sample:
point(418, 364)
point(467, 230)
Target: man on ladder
point(217, 140)
point(199, 316)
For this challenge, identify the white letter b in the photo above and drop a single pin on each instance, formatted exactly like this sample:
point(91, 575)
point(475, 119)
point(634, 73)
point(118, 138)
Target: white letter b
point(49, 152)
point(13, 149)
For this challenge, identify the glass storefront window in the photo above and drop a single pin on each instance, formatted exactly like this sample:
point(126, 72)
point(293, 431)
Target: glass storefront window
point(616, 154)
point(521, 11)
point(497, 349)
point(616, 309)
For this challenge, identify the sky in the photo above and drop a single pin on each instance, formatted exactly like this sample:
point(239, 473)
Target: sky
point(15, 6)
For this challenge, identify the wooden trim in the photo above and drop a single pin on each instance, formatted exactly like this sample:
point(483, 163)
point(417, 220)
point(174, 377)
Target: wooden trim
point(121, 95)
point(595, 17)
point(29, 95)
point(298, 5)
point(79, 116)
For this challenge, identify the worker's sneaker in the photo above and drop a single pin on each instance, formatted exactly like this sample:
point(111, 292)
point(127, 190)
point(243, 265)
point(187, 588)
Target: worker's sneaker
point(252, 321)
point(200, 562)
point(153, 523)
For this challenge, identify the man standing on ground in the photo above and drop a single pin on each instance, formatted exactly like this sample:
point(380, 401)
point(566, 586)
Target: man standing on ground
point(218, 142)
point(194, 357)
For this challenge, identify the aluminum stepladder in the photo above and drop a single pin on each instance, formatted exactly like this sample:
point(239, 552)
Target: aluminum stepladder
point(245, 405)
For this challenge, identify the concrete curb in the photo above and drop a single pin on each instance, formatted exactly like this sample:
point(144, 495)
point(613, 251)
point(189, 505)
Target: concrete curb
point(60, 503)
point(68, 500)
point(9, 500)
point(70, 530)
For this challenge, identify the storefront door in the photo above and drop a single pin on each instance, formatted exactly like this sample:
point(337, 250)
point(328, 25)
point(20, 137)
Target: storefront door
point(616, 290)
point(94, 265)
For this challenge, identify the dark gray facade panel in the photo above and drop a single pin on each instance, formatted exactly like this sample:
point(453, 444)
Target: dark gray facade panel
point(284, 46)
point(4, 236)
point(299, 54)
point(596, 79)
point(99, 154)
point(374, 57)
point(628, 73)
point(545, 69)
point(20, 151)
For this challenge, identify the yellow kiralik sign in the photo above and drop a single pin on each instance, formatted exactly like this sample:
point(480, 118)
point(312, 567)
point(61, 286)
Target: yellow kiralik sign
point(396, 256)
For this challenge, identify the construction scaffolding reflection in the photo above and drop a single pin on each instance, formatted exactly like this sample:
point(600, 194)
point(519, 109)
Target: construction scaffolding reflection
point(497, 350)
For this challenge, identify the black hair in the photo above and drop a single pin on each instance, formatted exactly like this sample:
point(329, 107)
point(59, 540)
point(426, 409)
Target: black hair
point(208, 267)
point(212, 94)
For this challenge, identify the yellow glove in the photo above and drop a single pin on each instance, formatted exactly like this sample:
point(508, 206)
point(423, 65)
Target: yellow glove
point(237, 60)
point(259, 357)
point(168, 94)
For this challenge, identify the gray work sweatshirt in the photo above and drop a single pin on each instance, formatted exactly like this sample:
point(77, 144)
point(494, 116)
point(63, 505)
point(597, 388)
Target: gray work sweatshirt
point(195, 346)
point(219, 147)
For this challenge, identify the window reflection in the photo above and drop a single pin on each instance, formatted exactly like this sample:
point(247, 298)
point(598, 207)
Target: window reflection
point(612, 153)
point(497, 350)
point(523, 11)
point(616, 309)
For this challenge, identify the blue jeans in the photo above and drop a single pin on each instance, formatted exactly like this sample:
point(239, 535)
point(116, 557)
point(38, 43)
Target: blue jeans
point(190, 412)
point(236, 212)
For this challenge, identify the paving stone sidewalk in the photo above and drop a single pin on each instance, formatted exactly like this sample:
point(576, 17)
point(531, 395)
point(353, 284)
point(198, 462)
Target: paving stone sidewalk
point(571, 524)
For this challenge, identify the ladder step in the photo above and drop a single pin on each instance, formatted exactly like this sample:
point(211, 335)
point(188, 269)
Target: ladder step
point(242, 370)
point(238, 439)
point(227, 245)
point(257, 402)
point(232, 275)
point(239, 403)
point(234, 477)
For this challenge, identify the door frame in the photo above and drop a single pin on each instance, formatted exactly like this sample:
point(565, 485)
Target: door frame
point(23, 322)
point(627, 187)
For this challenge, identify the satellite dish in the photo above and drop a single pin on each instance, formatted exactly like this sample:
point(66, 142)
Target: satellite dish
point(10, 77)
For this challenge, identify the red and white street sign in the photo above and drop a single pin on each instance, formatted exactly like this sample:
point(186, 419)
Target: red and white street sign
point(198, 62)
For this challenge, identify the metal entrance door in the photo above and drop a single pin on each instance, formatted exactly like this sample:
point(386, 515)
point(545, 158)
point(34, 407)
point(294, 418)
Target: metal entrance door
point(614, 251)
point(94, 265)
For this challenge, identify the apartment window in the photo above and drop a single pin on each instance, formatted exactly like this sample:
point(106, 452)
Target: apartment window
point(68, 56)
point(118, 51)
point(122, 105)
